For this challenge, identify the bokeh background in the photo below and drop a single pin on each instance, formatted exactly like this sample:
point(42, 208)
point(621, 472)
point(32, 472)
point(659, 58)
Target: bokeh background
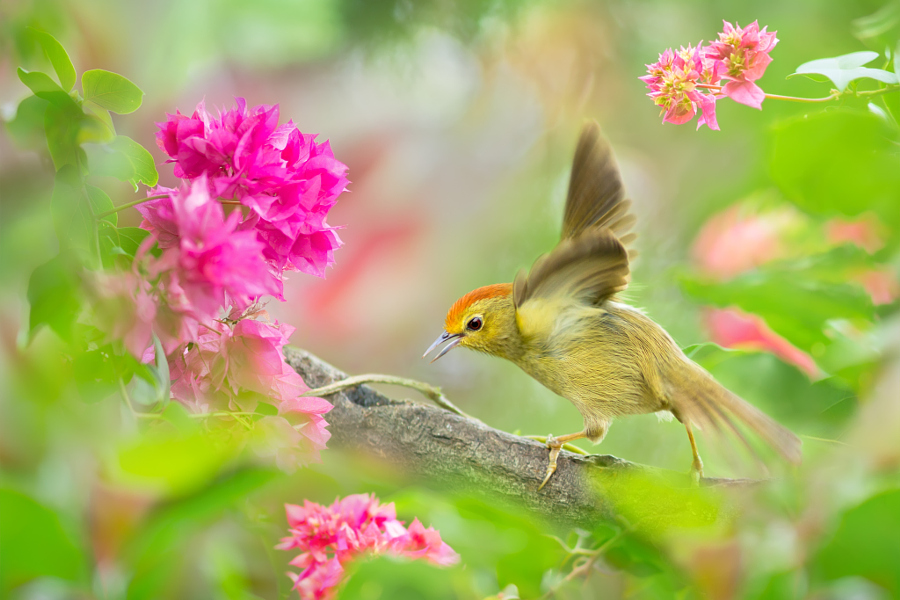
point(458, 122)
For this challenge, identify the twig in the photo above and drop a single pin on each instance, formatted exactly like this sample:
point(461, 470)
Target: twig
point(584, 567)
point(129, 205)
point(427, 390)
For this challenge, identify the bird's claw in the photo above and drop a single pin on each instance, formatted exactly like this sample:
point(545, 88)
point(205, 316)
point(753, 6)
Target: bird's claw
point(555, 446)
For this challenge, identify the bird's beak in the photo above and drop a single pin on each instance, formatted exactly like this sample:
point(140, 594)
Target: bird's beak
point(455, 338)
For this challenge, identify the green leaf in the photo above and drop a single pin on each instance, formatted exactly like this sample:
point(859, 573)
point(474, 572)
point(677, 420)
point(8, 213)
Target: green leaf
point(162, 546)
point(176, 414)
point(96, 374)
point(101, 203)
point(33, 543)
point(27, 128)
point(62, 125)
point(796, 298)
point(881, 29)
point(54, 298)
point(101, 114)
point(111, 91)
point(838, 163)
point(388, 577)
point(73, 218)
point(118, 245)
point(59, 58)
point(865, 544)
point(131, 237)
point(795, 308)
point(843, 69)
point(125, 160)
point(44, 87)
point(162, 368)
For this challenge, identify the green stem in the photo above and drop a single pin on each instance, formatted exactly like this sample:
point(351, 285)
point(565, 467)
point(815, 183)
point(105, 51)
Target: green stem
point(885, 90)
point(127, 398)
point(718, 88)
point(429, 391)
point(834, 94)
point(129, 205)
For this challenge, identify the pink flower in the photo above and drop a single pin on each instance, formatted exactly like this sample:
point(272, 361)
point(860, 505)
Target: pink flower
point(329, 537)
point(425, 543)
point(123, 308)
point(741, 56)
point(207, 263)
point(234, 367)
point(287, 180)
point(673, 81)
point(733, 328)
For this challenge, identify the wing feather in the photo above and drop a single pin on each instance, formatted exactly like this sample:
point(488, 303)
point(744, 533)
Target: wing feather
point(588, 268)
point(596, 197)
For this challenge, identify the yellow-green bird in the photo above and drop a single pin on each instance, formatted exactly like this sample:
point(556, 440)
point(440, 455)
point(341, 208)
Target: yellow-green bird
point(562, 324)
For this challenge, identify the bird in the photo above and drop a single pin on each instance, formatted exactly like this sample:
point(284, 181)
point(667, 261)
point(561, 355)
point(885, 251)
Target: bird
point(564, 324)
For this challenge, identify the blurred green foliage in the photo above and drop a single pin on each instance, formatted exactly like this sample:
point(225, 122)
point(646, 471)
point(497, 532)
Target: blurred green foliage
point(93, 504)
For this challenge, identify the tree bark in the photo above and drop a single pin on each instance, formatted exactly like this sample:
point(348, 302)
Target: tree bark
point(446, 450)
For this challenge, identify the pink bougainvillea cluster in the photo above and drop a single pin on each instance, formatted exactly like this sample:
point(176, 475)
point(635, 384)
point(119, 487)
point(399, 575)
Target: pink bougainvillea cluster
point(330, 536)
point(693, 78)
point(252, 206)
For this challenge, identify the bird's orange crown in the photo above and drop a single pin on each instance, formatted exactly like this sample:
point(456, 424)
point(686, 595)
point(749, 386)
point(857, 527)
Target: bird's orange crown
point(458, 310)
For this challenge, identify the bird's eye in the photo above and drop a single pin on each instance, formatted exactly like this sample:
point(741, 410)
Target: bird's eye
point(474, 324)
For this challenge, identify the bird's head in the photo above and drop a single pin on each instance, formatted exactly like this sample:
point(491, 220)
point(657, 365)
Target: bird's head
point(483, 320)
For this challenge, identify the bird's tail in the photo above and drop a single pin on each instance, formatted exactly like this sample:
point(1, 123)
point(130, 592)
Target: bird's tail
point(697, 397)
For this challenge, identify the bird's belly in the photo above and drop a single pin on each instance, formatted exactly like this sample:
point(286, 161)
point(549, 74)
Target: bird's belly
point(599, 387)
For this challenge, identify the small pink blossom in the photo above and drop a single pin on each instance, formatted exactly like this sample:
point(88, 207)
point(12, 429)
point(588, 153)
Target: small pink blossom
point(329, 537)
point(741, 57)
point(692, 79)
point(673, 83)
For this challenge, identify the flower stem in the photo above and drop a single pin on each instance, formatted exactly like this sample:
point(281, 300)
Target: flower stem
point(148, 199)
point(129, 205)
point(835, 94)
point(126, 397)
point(429, 391)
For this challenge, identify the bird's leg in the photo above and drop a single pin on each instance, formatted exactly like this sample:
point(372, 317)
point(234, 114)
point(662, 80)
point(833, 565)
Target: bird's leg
point(555, 444)
point(697, 464)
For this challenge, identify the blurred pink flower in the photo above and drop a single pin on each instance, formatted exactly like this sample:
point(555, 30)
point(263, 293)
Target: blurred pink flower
point(419, 542)
point(864, 231)
point(881, 284)
point(207, 263)
point(234, 367)
point(733, 242)
point(741, 56)
point(329, 537)
point(733, 328)
point(287, 180)
point(123, 308)
point(672, 82)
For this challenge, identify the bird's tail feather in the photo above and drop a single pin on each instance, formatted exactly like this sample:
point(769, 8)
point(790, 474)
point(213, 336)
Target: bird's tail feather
point(704, 402)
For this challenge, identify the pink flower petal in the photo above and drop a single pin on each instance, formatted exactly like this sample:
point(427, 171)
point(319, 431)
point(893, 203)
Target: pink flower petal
point(745, 92)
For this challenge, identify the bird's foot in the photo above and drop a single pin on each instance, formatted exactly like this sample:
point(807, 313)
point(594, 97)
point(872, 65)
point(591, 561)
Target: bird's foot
point(696, 471)
point(555, 446)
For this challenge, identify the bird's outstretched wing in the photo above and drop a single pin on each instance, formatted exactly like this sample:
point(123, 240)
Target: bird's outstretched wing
point(596, 197)
point(588, 269)
point(590, 263)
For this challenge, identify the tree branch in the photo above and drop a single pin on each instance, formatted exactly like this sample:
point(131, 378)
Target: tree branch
point(465, 454)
